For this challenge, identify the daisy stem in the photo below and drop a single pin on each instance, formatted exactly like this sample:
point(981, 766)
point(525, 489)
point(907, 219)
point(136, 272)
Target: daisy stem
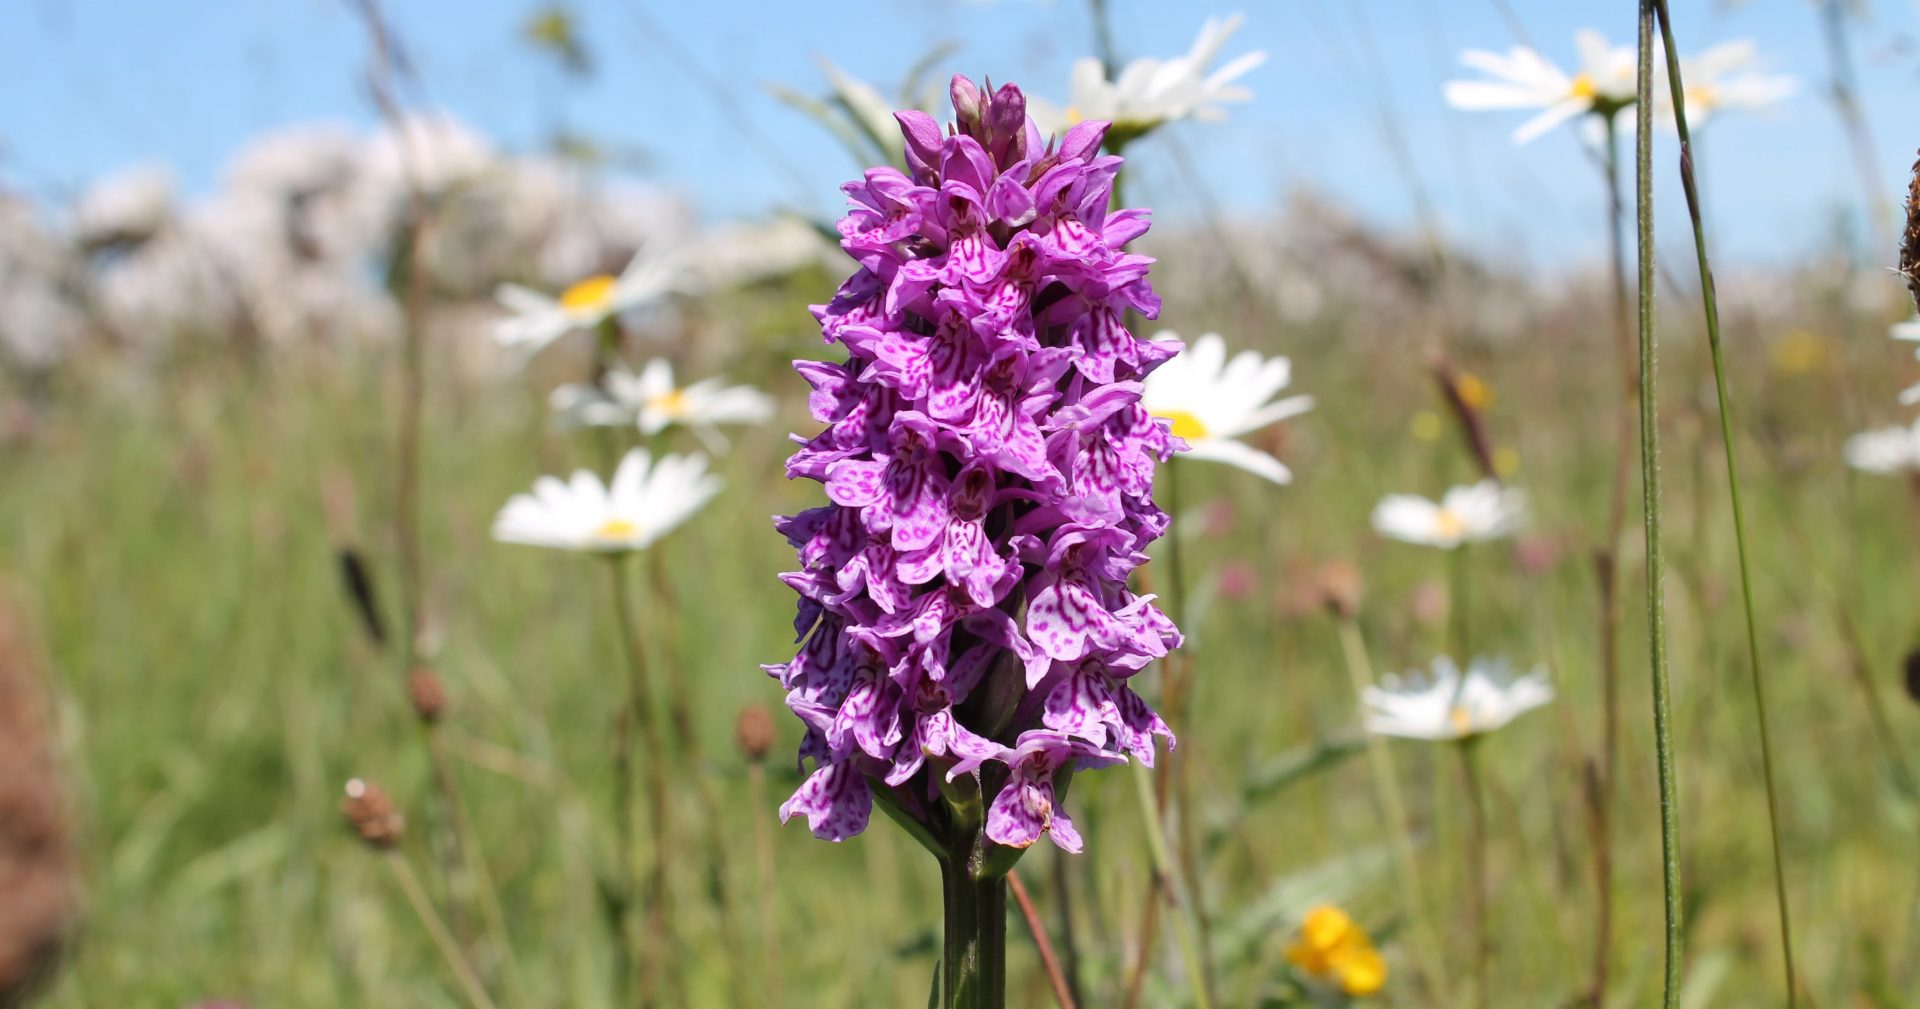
point(1386, 783)
point(1650, 499)
point(1711, 307)
point(1178, 772)
point(1479, 907)
point(637, 719)
point(1462, 600)
point(1607, 570)
point(1186, 930)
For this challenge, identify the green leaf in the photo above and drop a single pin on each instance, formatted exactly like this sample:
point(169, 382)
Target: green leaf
point(933, 993)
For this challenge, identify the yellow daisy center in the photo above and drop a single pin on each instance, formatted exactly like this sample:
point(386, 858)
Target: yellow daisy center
point(1184, 424)
point(1461, 721)
point(617, 529)
point(673, 402)
point(1073, 115)
point(1448, 525)
point(594, 294)
point(1582, 87)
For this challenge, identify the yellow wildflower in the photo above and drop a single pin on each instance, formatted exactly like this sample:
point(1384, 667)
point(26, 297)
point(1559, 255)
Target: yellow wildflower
point(1332, 947)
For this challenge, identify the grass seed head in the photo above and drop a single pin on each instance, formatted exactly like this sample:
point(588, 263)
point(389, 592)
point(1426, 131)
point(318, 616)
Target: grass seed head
point(372, 814)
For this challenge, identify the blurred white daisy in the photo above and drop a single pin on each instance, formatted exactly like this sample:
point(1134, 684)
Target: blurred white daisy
point(1442, 705)
point(431, 150)
point(1210, 402)
point(652, 402)
point(1724, 79)
point(128, 206)
point(538, 320)
point(1908, 330)
point(1152, 92)
point(643, 503)
point(1885, 450)
point(1469, 514)
point(1523, 79)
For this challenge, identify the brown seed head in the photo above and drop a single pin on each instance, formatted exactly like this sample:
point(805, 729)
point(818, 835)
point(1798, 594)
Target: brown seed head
point(1910, 242)
point(1340, 589)
point(372, 815)
point(755, 732)
point(427, 693)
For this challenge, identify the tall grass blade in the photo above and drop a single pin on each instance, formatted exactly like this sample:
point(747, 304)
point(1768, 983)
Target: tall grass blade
point(1712, 308)
point(1650, 501)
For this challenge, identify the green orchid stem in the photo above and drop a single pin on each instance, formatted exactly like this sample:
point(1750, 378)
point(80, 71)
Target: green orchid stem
point(1650, 501)
point(975, 952)
point(1710, 304)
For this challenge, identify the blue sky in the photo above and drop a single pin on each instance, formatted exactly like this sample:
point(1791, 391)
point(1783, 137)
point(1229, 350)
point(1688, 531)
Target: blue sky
point(89, 85)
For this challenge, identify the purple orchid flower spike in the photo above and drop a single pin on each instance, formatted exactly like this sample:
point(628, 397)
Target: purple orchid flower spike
point(966, 628)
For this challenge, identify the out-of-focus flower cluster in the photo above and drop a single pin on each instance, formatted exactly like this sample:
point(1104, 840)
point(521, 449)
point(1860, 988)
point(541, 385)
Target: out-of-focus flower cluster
point(964, 612)
point(298, 242)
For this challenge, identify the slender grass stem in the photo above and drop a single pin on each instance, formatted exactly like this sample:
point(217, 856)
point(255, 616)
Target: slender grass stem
point(1650, 495)
point(1056, 978)
point(486, 894)
point(416, 895)
point(1069, 944)
point(1479, 905)
point(1712, 309)
point(1386, 785)
point(763, 861)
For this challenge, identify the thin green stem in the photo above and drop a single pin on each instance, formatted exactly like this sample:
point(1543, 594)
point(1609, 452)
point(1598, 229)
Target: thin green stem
point(463, 971)
point(1711, 306)
point(1462, 600)
point(1480, 907)
point(1186, 930)
point(1650, 500)
point(1386, 784)
point(1607, 567)
point(638, 719)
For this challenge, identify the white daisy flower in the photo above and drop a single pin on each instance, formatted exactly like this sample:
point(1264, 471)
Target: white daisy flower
point(1210, 402)
point(1523, 79)
point(1908, 330)
point(1885, 450)
point(538, 320)
point(1469, 514)
point(1444, 706)
point(128, 206)
point(1723, 79)
point(652, 402)
point(643, 503)
point(1152, 92)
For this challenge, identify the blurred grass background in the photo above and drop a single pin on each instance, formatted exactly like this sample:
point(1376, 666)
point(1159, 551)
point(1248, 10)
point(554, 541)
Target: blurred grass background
point(174, 529)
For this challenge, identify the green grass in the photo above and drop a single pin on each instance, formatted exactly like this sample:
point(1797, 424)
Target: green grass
point(168, 526)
